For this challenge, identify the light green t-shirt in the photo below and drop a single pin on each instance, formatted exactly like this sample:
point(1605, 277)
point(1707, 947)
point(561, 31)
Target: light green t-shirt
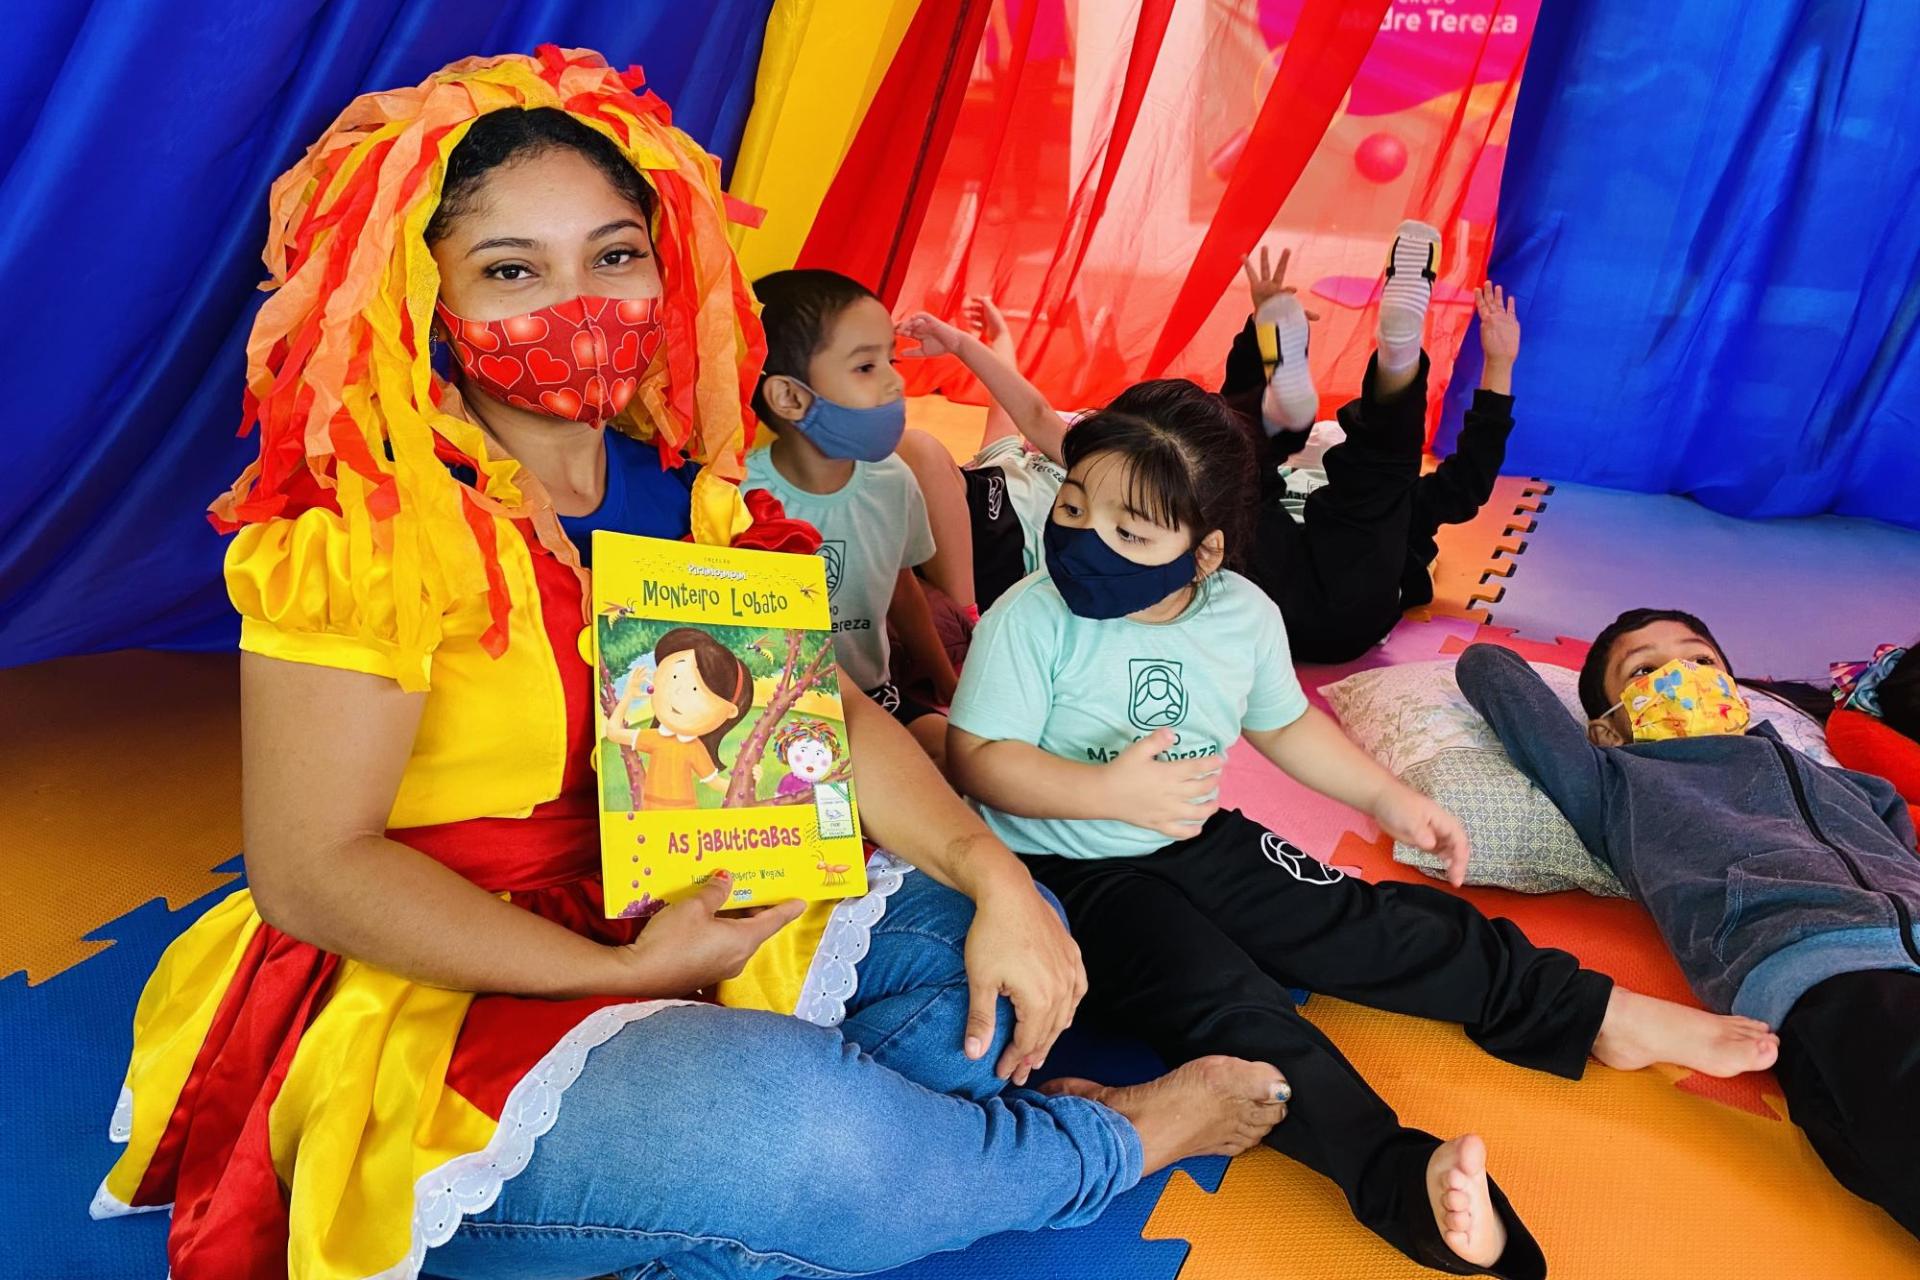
point(871, 529)
point(1033, 482)
point(1084, 690)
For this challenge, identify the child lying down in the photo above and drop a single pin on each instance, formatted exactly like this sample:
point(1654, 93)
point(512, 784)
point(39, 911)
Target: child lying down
point(1786, 889)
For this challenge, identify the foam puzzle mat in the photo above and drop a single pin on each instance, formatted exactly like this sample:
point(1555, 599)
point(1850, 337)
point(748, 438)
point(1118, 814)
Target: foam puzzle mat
point(1652, 1175)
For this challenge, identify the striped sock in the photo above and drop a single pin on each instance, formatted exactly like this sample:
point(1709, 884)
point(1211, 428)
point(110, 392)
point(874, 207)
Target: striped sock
point(1411, 269)
point(1289, 403)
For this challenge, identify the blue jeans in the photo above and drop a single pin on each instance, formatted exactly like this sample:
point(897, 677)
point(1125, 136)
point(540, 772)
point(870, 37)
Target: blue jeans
point(715, 1144)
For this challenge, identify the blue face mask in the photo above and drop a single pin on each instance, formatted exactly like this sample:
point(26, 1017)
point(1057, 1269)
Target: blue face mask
point(1098, 582)
point(860, 435)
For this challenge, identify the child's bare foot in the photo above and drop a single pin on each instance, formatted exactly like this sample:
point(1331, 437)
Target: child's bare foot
point(1209, 1107)
point(1641, 1030)
point(1457, 1188)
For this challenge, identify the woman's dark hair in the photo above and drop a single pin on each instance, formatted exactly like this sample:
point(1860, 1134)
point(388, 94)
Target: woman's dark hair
point(797, 308)
point(1593, 671)
point(720, 670)
point(514, 134)
point(1189, 457)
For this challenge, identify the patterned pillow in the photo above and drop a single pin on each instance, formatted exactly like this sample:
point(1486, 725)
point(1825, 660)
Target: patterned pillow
point(1414, 718)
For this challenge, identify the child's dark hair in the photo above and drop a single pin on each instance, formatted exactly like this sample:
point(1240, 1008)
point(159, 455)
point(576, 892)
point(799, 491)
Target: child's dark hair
point(1189, 457)
point(1593, 672)
point(720, 670)
point(797, 309)
point(513, 134)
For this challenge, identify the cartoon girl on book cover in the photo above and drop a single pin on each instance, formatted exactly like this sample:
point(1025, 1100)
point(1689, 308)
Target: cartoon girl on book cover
point(701, 690)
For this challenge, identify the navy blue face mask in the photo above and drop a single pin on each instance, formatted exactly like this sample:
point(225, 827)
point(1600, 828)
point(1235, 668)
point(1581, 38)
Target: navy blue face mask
point(1098, 582)
point(860, 435)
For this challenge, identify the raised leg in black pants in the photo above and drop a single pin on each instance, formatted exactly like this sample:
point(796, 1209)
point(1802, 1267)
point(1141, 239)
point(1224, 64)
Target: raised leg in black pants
point(1194, 947)
point(1455, 490)
point(1336, 576)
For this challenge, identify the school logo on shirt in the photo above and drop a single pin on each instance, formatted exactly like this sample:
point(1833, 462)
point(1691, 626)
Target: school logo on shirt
point(835, 554)
point(1157, 696)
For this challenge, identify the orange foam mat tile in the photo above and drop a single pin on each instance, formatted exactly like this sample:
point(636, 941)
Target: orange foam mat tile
point(123, 785)
point(1477, 556)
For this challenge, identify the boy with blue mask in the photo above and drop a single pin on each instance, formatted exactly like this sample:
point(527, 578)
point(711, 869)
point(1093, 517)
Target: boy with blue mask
point(1786, 889)
point(837, 408)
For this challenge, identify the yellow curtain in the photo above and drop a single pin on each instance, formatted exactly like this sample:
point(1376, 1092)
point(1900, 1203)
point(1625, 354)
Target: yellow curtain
point(820, 66)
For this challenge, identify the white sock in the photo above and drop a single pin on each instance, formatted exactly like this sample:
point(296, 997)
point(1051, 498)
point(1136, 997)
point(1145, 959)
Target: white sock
point(1289, 403)
point(1412, 265)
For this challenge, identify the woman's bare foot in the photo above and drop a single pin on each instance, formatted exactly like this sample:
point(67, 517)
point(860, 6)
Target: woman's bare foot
point(1457, 1188)
point(1209, 1107)
point(1640, 1030)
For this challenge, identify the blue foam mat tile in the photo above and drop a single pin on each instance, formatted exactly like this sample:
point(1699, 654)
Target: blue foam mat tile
point(1785, 597)
point(63, 1053)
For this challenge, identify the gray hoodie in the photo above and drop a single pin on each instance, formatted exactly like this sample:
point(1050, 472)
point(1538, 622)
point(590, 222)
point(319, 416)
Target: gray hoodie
point(1765, 872)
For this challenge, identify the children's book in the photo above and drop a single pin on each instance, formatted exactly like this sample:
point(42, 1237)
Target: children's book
point(722, 742)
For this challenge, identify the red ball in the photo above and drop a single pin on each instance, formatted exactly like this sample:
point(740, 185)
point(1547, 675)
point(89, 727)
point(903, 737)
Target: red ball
point(1380, 157)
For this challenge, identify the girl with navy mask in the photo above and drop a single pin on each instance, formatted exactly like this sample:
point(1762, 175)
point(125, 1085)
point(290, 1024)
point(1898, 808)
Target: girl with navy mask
point(1092, 723)
point(837, 408)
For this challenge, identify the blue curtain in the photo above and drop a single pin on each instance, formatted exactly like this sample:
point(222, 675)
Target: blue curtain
point(1709, 214)
point(137, 142)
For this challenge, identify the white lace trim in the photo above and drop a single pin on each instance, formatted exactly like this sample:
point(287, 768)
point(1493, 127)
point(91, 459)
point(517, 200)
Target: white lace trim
point(120, 1127)
point(471, 1183)
point(107, 1205)
point(834, 975)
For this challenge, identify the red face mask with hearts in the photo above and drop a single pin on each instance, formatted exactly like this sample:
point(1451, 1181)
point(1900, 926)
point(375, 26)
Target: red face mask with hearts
point(580, 359)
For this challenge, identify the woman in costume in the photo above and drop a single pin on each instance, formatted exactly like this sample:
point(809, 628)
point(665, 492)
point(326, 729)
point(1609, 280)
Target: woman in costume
point(415, 1041)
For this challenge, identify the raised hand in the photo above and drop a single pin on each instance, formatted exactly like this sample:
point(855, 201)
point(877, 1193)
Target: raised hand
point(1499, 323)
point(1268, 280)
point(935, 336)
point(982, 315)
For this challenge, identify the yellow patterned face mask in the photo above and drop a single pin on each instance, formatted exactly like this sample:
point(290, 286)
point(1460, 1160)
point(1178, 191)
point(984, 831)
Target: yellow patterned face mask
point(1683, 700)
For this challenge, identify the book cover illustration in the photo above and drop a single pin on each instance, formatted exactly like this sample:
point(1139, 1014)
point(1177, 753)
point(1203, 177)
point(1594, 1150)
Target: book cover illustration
point(722, 741)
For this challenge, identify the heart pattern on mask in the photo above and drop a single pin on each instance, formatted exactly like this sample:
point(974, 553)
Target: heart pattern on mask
point(478, 336)
point(590, 348)
point(524, 329)
point(547, 370)
point(504, 370)
point(576, 359)
point(562, 404)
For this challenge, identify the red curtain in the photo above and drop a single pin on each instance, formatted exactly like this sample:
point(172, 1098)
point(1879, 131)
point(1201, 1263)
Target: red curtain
point(1111, 162)
point(871, 215)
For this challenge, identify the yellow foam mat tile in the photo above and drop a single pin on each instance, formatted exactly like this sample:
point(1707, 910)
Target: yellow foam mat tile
point(1621, 1176)
point(123, 785)
point(957, 426)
